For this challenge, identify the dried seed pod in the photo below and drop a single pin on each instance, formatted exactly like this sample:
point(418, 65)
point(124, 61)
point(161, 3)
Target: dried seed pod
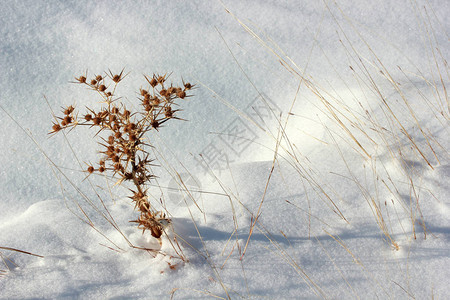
point(99, 77)
point(93, 82)
point(56, 127)
point(110, 153)
point(101, 169)
point(154, 123)
point(144, 206)
point(163, 92)
point(67, 119)
point(96, 121)
point(153, 82)
point(90, 169)
point(103, 114)
point(168, 112)
point(117, 77)
point(155, 101)
point(181, 94)
point(102, 88)
point(112, 118)
point(69, 110)
point(81, 79)
point(88, 117)
point(128, 176)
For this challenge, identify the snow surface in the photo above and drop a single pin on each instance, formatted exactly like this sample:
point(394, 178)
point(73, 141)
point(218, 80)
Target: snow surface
point(318, 233)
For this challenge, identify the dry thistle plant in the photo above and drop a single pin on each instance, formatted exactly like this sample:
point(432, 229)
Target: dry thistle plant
point(122, 140)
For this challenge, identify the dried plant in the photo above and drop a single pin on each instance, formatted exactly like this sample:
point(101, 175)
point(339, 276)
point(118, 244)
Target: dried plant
point(122, 140)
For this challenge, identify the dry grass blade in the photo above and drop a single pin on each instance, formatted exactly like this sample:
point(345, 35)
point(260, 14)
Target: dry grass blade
point(7, 261)
point(20, 251)
point(258, 213)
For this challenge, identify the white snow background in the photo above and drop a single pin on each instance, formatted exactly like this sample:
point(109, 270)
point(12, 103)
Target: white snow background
point(342, 185)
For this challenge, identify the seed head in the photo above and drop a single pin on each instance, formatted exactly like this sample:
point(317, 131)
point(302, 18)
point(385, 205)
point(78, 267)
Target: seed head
point(96, 120)
point(56, 127)
point(168, 112)
point(81, 79)
point(112, 118)
point(155, 101)
point(115, 110)
point(181, 94)
point(69, 110)
point(68, 119)
point(155, 124)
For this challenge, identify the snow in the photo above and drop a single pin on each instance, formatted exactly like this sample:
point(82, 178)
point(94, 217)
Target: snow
point(345, 169)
